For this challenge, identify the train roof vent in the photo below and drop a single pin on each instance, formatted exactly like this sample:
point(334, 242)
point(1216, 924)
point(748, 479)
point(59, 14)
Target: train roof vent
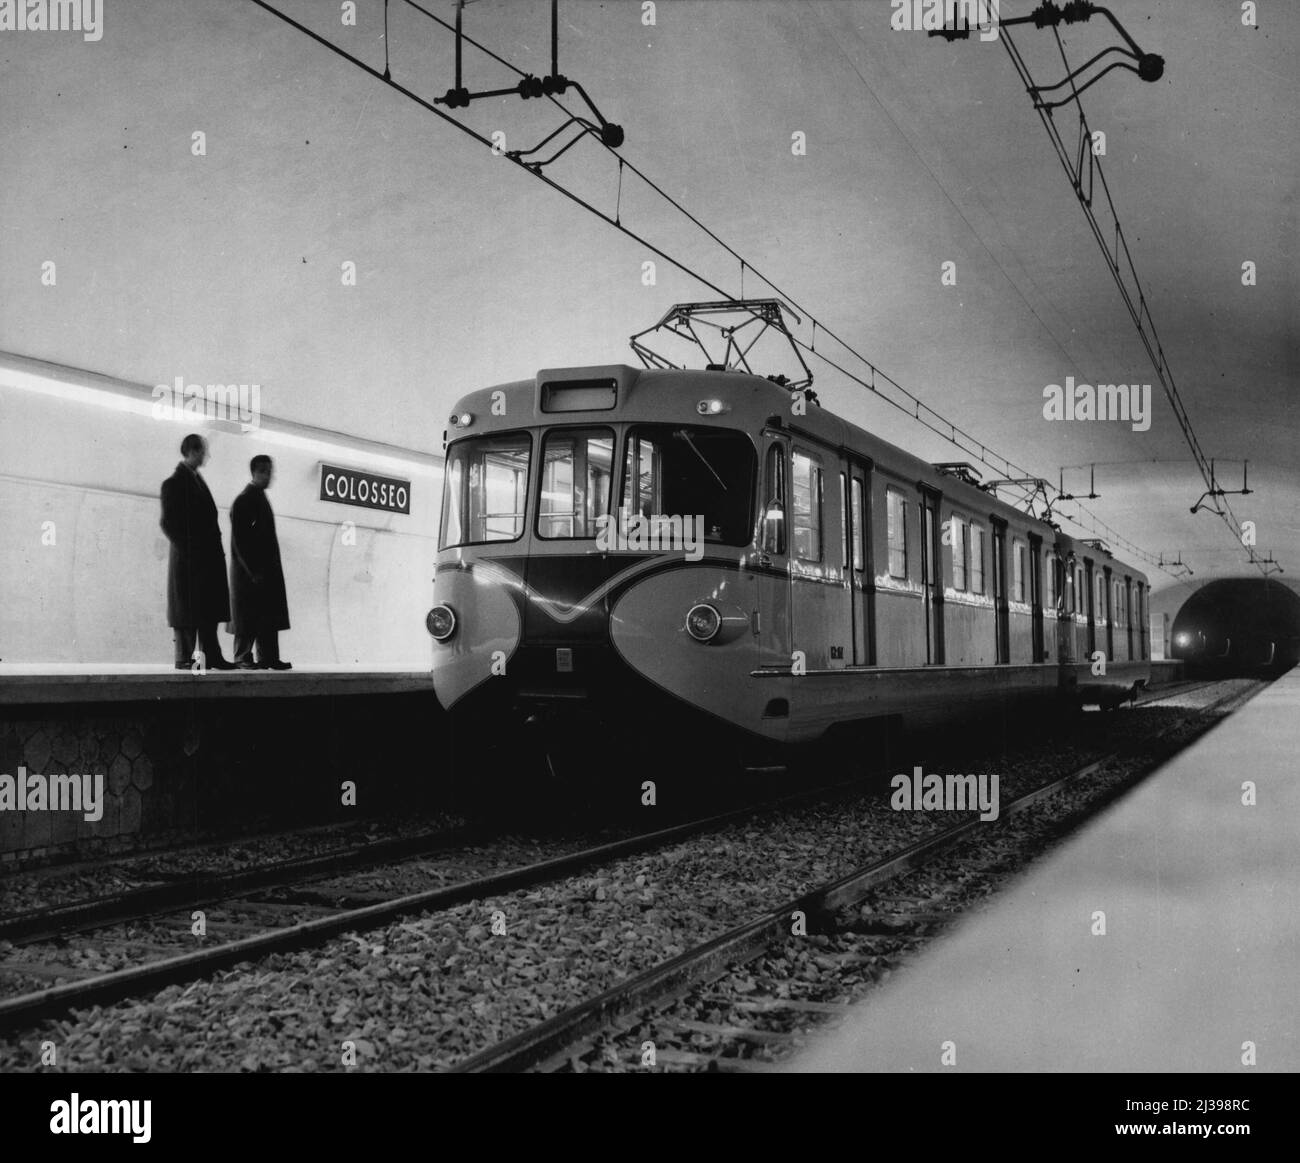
point(1097, 543)
point(963, 471)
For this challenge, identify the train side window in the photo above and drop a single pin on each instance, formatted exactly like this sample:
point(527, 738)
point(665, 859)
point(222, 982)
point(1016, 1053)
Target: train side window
point(806, 507)
point(1049, 580)
point(1101, 598)
point(976, 559)
point(859, 533)
point(776, 506)
point(960, 553)
point(844, 521)
point(896, 516)
point(577, 468)
point(1019, 559)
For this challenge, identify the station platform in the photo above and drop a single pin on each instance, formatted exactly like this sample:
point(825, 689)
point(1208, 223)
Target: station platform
point(116, 683)
point(1196, 971)
point(173, 757)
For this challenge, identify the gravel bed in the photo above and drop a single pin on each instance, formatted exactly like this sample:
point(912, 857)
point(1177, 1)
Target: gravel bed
point(858, 950)
point(49, 886)
point(427, 992)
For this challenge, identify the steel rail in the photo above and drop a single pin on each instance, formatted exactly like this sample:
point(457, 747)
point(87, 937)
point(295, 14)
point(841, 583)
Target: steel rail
point(751, 939)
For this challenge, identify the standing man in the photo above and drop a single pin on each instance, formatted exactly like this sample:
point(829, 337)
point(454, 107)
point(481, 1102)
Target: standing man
point(256, 576)
point(197, 598)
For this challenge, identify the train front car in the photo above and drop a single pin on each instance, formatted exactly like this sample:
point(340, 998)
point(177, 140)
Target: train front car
point(592, 597)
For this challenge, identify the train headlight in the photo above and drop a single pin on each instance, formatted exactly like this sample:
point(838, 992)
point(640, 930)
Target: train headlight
point(703, 622)
point(441, 623)
point(1182, 639)
point(711, 408)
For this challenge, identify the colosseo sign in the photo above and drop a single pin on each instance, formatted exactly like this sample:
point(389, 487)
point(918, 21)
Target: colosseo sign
point(366, 490)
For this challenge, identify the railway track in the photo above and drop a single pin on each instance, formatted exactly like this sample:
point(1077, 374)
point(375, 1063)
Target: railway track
point(333, 919)
point(637, 1006)
point(334, 916)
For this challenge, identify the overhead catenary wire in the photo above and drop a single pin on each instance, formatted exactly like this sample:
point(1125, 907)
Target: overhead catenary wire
point(1138, 311)
point(879, 382)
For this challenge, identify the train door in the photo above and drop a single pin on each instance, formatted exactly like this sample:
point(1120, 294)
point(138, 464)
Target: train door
point(1002, 614)
point(1036, 594)
point(932, 576)
point(1128, 615)
point(770, 569)
point(1065, 651)
point(1090, 589)
point(1110, 617)
point(861, 577)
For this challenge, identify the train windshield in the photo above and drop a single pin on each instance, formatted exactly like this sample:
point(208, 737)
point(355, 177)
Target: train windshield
point(672, 470)
point(577, 466)
point(486, 490)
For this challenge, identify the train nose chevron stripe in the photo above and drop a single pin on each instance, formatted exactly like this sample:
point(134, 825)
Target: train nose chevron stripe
point(558, 611)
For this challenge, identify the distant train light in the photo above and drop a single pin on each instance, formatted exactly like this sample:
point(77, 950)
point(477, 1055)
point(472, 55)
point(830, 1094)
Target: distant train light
point(703, 622)
point(1182, 639)
point(463, 420)
point(441, 623)
point(712, 407)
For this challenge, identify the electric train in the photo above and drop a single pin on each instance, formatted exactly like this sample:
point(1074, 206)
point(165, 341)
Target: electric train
point(631, 560)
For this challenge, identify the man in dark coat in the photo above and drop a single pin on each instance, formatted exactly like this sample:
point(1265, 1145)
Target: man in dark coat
point(261, 609)
point(197, 598)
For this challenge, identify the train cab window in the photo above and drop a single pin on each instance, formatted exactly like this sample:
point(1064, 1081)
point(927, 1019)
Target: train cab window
point(896, 517)
point(960, 553)
point(806, 507)
point(576, 471)
point(707, 473)
point(1019, 559)
point(485, 489)
point(976, 559)
point(859, 532)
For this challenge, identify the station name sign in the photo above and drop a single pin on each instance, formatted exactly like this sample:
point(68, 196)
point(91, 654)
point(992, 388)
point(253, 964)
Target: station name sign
point(366, 490)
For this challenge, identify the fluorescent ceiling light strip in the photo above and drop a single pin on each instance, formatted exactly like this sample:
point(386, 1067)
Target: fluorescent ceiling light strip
point(125, 400)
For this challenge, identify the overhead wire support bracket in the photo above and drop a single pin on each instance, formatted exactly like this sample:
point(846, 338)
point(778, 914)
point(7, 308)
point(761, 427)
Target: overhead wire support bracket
point(1215, 491)
point(1148, 66)
point(1090, 495)
point(553, 85)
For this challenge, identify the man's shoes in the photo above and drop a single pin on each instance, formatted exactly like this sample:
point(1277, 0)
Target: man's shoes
point(247, 665)
point(278, 664)
point(220, 664)
point(182, 665)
